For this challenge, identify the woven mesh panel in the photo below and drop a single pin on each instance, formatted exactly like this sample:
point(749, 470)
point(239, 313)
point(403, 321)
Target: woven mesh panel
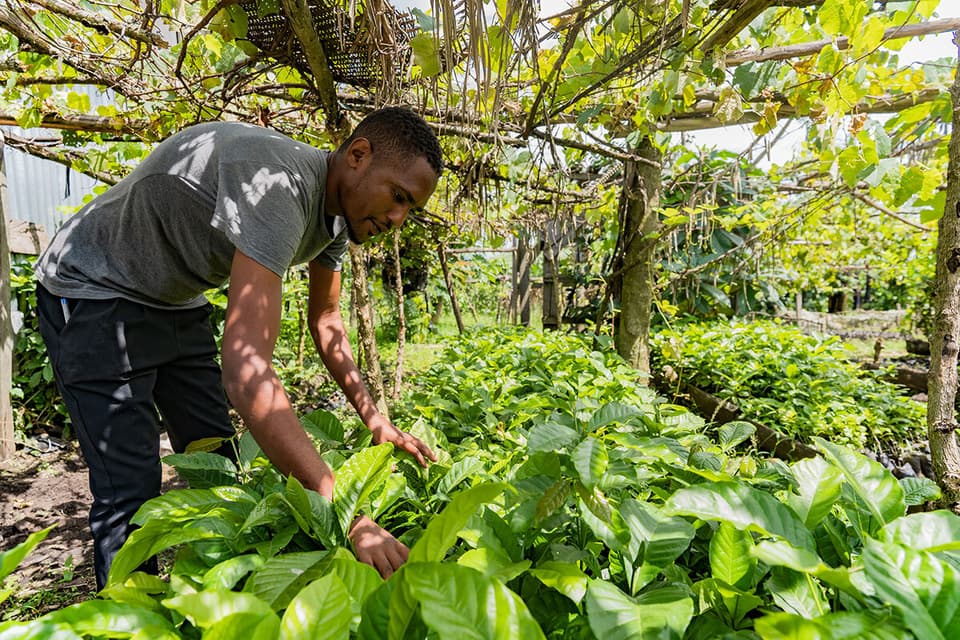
point(350, 60)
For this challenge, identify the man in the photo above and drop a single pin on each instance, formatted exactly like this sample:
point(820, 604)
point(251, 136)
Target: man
point(122, 310)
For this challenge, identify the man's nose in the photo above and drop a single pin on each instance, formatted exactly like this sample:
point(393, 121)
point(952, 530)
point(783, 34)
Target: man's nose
point(398, 214)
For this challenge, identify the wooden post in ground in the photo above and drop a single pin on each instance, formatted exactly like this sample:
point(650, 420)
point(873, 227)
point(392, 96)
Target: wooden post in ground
point(7, 445)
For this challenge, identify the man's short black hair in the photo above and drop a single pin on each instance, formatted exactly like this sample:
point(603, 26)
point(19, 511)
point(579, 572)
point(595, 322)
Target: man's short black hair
point(399, 134)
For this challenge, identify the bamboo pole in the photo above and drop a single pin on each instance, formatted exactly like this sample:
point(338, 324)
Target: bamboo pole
point(7, 444)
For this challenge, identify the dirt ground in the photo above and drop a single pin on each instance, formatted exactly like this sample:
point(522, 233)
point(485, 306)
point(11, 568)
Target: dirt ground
point(38, 490)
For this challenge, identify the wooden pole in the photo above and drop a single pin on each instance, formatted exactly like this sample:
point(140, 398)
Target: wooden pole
point(401, 316)
point(7, 444)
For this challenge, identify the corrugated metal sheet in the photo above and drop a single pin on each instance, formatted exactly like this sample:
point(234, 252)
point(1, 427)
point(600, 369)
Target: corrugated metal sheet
point(42, 191)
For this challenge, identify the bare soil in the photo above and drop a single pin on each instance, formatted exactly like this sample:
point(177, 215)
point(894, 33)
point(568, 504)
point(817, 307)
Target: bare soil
point(38, 490)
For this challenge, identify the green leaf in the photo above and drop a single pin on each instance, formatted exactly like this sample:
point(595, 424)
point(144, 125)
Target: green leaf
point(228, 573)
point(10, 560)
point(657, 538)
point(102, 617)
point(819, 486)
point(359, 579)
point(783, 554)
point(590, 459)
point(613, 413)
point(185, 504)
point(203, 470)
point(613, 615)
point(249, 626)
point(493, 564)
point(860, 625)
point(795, 592)
point(551, 437)
point(459, 602)
point(357, 478)
point(426, 54)
point(930, 531)
point(729, 106)
point(743, 506)
point(730, 557)
point(323, 425)
point(876, 487)
point(924, 589)
point(38, 630)
point(149, 540)
point(318, 611)
point(917, 491)
point(565, 577)
point(442, 530)
point(314, 513)
point(733, 433)
point(281, 577)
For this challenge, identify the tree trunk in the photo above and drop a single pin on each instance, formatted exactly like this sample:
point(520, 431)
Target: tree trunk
point(552, 311)
point(401, 315)
point(442, 250)
point(366, 332)
point(641, 221)
point(942, 384)
point(7, 444)
point(522, 258)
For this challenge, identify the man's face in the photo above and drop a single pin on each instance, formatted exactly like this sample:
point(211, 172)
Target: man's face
point(377, 194)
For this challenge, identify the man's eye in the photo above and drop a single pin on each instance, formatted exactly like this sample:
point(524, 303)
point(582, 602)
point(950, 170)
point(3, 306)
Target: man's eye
point(398, 197)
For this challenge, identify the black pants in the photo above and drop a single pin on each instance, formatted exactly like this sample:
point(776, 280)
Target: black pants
point(116, 363)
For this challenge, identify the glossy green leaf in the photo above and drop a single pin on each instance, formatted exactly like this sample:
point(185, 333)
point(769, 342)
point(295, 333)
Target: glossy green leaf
point(228, 573)
point(783, 554)
point(613, 413)
point(658, 613)
point(590, 459)
point(203, 469)
point(246, 625)
point(917, 491)
point(730, 557)
point(10, 560)
point(459, 602)
point(282, 577)
point(323, 425)
point(442, 530)
point(493, 564)
point(860, 625)
point(98, 617)
point(795, 592)
point(206, 608)
point(357, 478)
point(819, 488)
point(565, 577)
point(924, 589)
point(742, 506)
point(149, 540)
point(37, 630)
point(185, 504)
point(551, 437)
point(314, 513)
point(928, 531)
point(873, 484)
point(318, 610)
point(656, 538)
point(733, 433)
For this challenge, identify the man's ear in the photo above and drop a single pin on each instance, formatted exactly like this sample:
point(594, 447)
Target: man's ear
point(359, 152)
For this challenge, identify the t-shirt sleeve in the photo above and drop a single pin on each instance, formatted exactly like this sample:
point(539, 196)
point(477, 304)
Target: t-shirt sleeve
point(262, 209)
point(332, 255)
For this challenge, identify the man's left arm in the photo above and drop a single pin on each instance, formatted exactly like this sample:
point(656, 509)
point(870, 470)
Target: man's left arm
point(330, 336)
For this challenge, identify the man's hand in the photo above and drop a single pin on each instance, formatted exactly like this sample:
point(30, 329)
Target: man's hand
point(384, 431)
point(376, 547)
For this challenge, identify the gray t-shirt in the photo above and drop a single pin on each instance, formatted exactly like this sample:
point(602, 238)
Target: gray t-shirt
point(168, 231)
